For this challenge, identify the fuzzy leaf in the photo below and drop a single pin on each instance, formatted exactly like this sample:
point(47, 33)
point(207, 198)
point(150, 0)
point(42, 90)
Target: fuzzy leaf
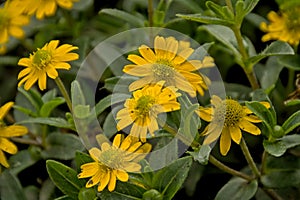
point(279, 147)
point(124, 16)
point(48, 107)
point(292, 122)
point(10, 187)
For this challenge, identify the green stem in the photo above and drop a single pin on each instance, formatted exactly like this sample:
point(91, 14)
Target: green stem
point(227, 169)
point(291, 80)
point(150, 12)
point(64, 92)
point(229, 4)
point(212, 159)
point(248, 67)
point(272, 194)
point(249, 158)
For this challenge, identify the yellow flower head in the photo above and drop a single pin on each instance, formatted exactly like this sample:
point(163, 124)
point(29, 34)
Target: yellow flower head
point(284, 26)
point(168, 62)
point(113, 162)
point(227, 118)
point(11, 21)
point(42, 8)
point(7, 132)
point(143, 108)
point(44, 62)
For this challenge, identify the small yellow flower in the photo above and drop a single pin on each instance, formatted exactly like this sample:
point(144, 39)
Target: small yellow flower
point(42, 8)
point(284, 26)
point(143, 108)
point(168, 62)
point(227, 118)
point(11, 22)
point(113, 162)
point(7, 132)
point(44, 62)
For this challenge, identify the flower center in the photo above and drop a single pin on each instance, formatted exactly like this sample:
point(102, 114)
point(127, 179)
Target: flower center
point(144, 104)
point(229, 111)
point(41, 58)
point(293, 21)
point(113, 158)
point(163, 70)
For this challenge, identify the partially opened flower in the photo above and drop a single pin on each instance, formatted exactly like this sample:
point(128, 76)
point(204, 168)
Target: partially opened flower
point(45, 62)
point(168, 62)
point(142, 110)
point(227, 118)
point(112, 162)
point(8, 132)
point(284, 26)
point(42, 8)
point(11, 22)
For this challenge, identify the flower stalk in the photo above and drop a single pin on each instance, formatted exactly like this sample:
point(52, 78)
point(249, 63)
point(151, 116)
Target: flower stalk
point(64, 92)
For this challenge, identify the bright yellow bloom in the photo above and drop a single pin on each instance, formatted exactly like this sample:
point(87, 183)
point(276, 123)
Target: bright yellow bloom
point(227, 118)
point(284, 26)
point(11, 22)
point(44, 62)
point(7, 132)
point(113, 162)
point(168, 62)
point(142, 110)
point(42, 8)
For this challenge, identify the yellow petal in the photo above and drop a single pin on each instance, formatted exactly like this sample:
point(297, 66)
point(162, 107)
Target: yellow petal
point(137, 70)
point(213, 133)
point(126, 143)
point(105, 146)
point(205, 114)
point(132, 167)
point(13, 130)
point(122, 175)
point(24, 62)
point(159, 47)
point(95, 153)
point(5, 109)
point(104, 180)
point(112, 182)
point(3, 160)
point(8, 146)
point(117, 140)
point(16, 31)
point(248, 127)
point(235, 133)
point(171, 48)
point(147, 53)
point(252, 118)
point(137, 59)
point(24, 72)
point(225, 141)
point(140, 83)
point(42, 81)
point(94, 180)
point(89, 169)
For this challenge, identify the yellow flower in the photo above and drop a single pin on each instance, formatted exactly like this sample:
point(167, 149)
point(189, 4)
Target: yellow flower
point(168, 62)
point(42, 8)
point(11, 21)
point(284, 26)
point(44, 62)
point(143, 108)
point(113, 162)
point(227, 118)
point(7, 132)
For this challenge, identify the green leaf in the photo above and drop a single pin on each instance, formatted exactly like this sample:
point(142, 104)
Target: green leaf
point(281, 178)
point(81, 111)
point(226, 36)
point(61, 146)
point(48, 96)
point(268, 74)
point(279, 147)
point(110, 100)
point(292, 102)
point(33, 97)
point(124, 16)
point(65, 197)
point(65, 178)
point(274, 49)
point(110, 125)
point(205, 19)
point(123, 191)
point(20, 161)
point(292, 122)
point(249, 5)
point(164, 152)
point(202, 154)
point(237, 189)
point(169, 179)
point(52, 121)
point(119, 84)
point(87, 193)
point(10, 187)
point(48, 107)
point(77, 94)
point(217, 9)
